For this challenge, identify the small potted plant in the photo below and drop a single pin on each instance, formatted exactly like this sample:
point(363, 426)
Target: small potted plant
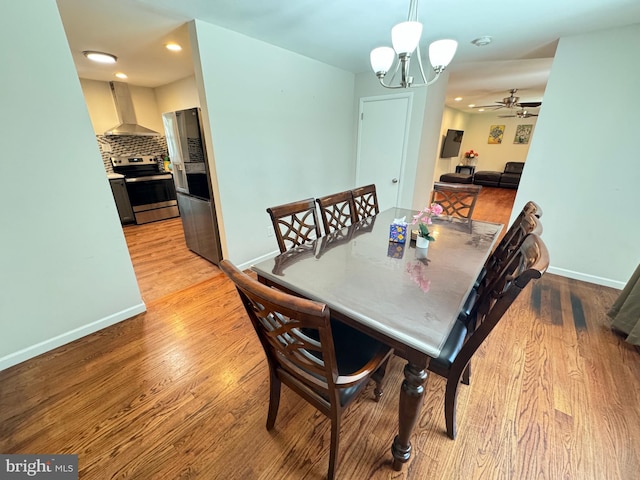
point(423, 220)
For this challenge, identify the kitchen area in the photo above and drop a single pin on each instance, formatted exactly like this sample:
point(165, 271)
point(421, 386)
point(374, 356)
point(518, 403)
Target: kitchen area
point(153, 151)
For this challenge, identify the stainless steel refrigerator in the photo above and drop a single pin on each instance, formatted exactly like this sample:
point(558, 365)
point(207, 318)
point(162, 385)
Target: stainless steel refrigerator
point(190, 168)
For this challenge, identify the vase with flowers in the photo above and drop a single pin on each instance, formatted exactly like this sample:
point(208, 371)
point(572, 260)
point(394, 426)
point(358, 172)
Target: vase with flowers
point(423, 220)
point(470, 157)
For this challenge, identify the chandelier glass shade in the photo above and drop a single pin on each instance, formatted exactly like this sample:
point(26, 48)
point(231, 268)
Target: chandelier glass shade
point(405, 38)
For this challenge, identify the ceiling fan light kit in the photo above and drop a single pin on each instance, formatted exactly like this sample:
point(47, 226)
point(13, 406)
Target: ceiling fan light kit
point(405, 38)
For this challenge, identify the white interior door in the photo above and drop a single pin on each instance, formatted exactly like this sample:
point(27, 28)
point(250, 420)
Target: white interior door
point(382, 145)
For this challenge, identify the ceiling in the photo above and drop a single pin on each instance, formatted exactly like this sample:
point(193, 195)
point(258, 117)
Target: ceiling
point(342, 33)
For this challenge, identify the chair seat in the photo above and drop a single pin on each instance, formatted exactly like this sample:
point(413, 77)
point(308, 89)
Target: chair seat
point(465, 314)
point(451, 347)
point(353, 351)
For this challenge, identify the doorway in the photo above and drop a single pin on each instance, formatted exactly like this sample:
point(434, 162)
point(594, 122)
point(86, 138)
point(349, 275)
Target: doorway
point(383, 132)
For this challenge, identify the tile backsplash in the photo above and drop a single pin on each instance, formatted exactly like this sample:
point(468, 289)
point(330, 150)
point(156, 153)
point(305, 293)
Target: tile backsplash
point(130, 145)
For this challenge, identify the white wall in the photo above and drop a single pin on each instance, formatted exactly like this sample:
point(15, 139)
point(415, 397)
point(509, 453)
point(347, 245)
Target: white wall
point(429, 153)
point(281, 127)
point(455, 120)
point(178, 95)
point(65, 269)
point(494, 156)
point(581, 168)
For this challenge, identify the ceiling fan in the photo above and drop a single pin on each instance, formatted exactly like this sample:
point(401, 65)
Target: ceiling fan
point(511, 101)
point(520, 114)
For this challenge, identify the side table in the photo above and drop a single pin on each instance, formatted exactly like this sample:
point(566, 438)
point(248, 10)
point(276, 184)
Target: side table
point(469, 169)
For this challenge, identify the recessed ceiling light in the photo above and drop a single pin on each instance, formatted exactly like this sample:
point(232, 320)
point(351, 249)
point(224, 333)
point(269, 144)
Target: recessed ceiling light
point(100, 57)
point(481, 109)
point(121, 75)
point(482, 41)
point(457, 99)
point(174, 47)
point(471, 105)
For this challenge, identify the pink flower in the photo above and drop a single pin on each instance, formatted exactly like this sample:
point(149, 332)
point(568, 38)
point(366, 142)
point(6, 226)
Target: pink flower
point(423, 218)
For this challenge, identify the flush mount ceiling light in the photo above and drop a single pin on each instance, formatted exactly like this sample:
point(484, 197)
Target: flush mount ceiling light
point(121, 75)
point(405, 38)
point(174, 47)
point(482, 41)
point(458, 99)
point(100, 57)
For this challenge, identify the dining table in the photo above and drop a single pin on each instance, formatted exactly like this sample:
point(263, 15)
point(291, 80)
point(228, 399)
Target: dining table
point(406, 297)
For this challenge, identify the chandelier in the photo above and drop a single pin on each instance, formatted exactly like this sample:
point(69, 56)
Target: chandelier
point(405, 38)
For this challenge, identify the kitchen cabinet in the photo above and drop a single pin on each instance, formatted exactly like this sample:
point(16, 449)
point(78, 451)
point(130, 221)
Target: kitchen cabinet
point(119, 190)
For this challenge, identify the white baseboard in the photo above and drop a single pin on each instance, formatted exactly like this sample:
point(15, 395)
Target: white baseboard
point(246, 265)
point(605, 282)
point(67, 337)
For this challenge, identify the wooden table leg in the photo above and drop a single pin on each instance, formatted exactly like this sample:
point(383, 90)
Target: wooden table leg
point(408, 412)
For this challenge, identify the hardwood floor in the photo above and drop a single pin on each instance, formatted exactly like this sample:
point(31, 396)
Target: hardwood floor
point(181, 392)
point(161, 260)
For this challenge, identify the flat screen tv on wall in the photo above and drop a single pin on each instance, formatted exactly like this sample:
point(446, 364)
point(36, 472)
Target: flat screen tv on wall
point(451, 144)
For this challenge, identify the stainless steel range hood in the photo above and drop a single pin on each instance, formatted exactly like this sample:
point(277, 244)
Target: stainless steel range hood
point(126, 114)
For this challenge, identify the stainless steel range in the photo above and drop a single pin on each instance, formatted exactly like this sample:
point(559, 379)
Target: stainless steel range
point(151, 192)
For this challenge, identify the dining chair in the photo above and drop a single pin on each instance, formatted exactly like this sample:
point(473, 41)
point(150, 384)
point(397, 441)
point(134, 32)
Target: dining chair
point(532, 207)
point(522, 226)
point(326, 363)
point(511, 240)
point(530, 262)
point(458, 200)
point(365, 201)
point(294, 223)
point(337, 211)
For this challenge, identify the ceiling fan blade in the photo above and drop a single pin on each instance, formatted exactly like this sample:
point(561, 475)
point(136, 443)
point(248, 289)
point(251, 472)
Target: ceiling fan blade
point(507, 116)
point(529, 104)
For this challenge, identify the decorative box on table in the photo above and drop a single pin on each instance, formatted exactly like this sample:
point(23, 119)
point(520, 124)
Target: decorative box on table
point(398, 232)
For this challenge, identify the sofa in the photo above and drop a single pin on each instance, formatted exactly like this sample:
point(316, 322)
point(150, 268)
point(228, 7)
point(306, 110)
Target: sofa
point(509, 178)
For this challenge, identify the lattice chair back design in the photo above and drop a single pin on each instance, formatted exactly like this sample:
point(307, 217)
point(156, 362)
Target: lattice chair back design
point(457, 200)
point(530, 262)
point(295, 223)
point(324, 362)
point(365, 201)
point(337, 211)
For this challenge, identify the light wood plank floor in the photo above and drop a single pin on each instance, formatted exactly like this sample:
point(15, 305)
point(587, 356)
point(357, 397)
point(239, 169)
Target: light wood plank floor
point(181, 392)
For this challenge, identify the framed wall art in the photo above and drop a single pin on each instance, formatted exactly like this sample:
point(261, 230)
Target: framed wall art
point(523, 134)
point(496, 132)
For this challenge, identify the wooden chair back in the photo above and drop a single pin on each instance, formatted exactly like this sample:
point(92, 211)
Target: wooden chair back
point(458, 200)
point(297, 338)
point(284, 323)
point(337, 211)
point(295, 223)
point(522, 226)
point(365, 202)
point(532, 207)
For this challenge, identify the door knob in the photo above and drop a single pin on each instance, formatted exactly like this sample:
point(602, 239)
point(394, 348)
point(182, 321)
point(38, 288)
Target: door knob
point(394, 180)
